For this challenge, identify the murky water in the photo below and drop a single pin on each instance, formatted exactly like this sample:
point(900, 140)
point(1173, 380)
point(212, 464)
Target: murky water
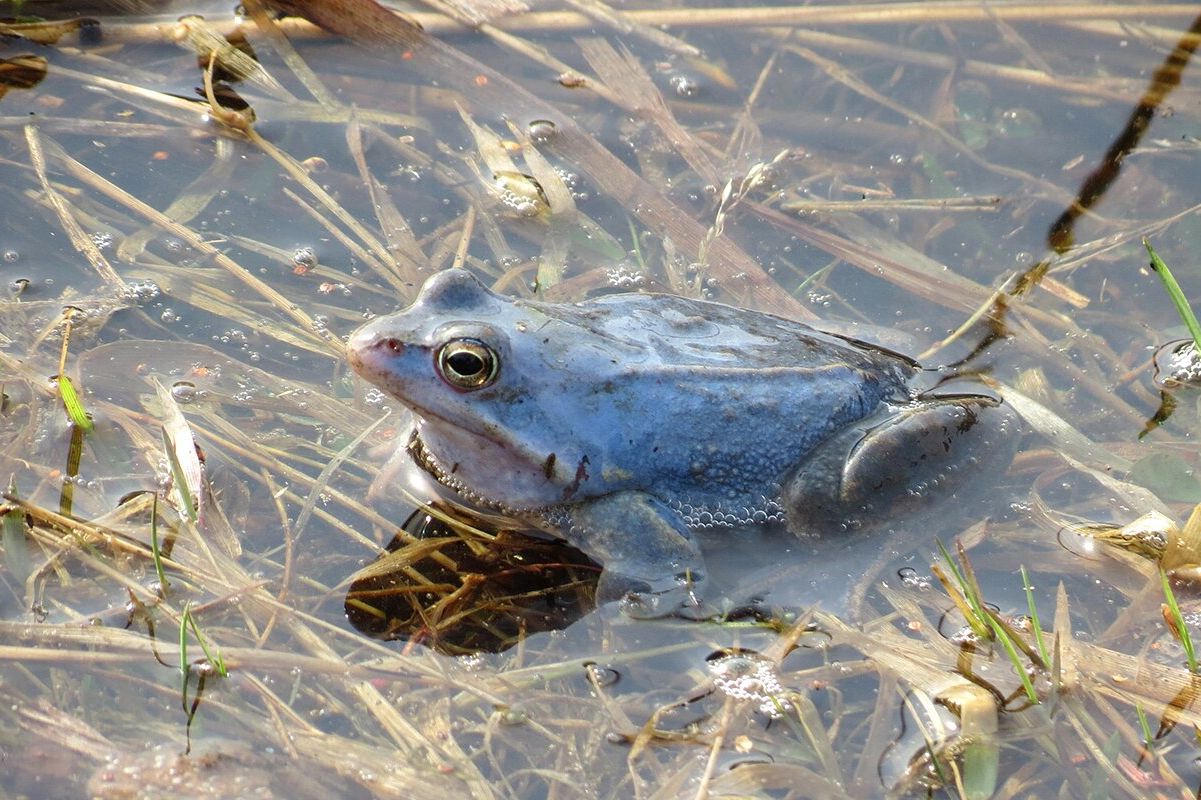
point(892, 170)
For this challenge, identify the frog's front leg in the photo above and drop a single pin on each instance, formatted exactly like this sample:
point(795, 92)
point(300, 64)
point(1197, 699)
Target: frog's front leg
point(649, 559)
point(939, 446)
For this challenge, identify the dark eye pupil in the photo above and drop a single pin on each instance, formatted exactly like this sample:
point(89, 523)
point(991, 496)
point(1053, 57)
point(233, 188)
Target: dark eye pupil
point(465, 363)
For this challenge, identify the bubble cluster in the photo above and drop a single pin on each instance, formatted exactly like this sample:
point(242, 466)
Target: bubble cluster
point(624, 276)
point(523, 205)
point(746, 675)
point(766, 511)
point(139, 292)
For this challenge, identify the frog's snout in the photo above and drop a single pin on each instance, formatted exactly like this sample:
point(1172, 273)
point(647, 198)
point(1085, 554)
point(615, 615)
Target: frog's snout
point(366, 347)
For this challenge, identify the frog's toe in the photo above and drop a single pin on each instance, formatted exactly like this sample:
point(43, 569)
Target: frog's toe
point(643, 599)
point(902, 459)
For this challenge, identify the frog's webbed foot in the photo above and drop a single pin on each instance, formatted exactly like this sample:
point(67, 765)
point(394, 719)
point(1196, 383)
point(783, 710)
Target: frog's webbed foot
point(650, 562)
point(920, 454)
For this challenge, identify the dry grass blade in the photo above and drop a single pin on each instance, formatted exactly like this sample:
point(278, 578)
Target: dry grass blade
point(397, 231)
point(624, 23)
point(79, 238)
point(187, 470)
point(195, 34)
point(387, 266)
point(368, 257)
point(839, 73)
point(268, 27)
point(1100, 87)
point(639, 95)
point(771, 16)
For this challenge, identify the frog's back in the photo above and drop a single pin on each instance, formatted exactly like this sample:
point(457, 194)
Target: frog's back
point(708, 406)
point(679, 332)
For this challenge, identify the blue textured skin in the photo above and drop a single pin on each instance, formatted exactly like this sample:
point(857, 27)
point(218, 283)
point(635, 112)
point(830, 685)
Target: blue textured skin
point(621, 423)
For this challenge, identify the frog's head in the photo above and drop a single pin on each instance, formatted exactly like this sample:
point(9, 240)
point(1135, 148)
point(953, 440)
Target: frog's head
point(477, 369)
point(448, 342)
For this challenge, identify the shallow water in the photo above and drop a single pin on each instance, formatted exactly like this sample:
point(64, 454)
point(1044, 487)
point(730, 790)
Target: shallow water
point(875, 171)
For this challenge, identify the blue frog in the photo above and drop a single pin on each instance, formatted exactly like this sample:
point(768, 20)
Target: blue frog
point(628, 424)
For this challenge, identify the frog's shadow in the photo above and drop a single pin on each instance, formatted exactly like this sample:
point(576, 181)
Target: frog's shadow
point(485, 594)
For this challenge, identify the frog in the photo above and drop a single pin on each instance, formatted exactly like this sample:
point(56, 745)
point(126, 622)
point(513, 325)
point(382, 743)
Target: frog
point(634, 424)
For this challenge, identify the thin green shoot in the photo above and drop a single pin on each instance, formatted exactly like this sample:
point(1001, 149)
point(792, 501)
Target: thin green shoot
point(1177, 621)
point(1032, 610)
point(1145, 725)
point(156, 551)
point(976, 619)
point(1174, 292)
point(812, 279)
point(184, 670)
point(984, 619)
point(211, 653)
point(1015, 658)
point(66, 390)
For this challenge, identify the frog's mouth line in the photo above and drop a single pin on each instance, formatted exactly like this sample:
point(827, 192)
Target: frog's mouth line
point(426, 460)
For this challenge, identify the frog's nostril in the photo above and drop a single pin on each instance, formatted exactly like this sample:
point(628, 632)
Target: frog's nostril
point(394, 346)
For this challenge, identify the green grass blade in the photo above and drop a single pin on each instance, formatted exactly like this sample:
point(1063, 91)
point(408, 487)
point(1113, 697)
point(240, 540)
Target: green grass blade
point(1181, 629)
point(184, 671)
point(156, 551)
point(1145, 725)
point(1032, 609)
point(1178, 298)
point(74, 406)
point(212, 654)
point(1015, 658)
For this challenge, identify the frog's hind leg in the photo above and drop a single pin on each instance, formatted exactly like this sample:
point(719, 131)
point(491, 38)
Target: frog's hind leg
point(650, 561)
point(900, 459)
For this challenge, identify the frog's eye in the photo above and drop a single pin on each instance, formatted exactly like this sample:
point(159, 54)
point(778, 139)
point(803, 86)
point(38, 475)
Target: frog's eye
point(467, 364)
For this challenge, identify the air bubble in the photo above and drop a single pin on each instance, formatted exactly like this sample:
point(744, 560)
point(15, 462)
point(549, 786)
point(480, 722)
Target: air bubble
point(304, 259)
point(541, 131)
point(184, 391)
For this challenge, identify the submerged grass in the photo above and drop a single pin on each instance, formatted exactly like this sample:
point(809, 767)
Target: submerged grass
point(846, 172)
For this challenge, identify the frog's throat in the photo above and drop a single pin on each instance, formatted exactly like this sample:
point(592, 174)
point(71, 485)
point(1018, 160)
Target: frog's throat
point(427, 461)
point(552, 517)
